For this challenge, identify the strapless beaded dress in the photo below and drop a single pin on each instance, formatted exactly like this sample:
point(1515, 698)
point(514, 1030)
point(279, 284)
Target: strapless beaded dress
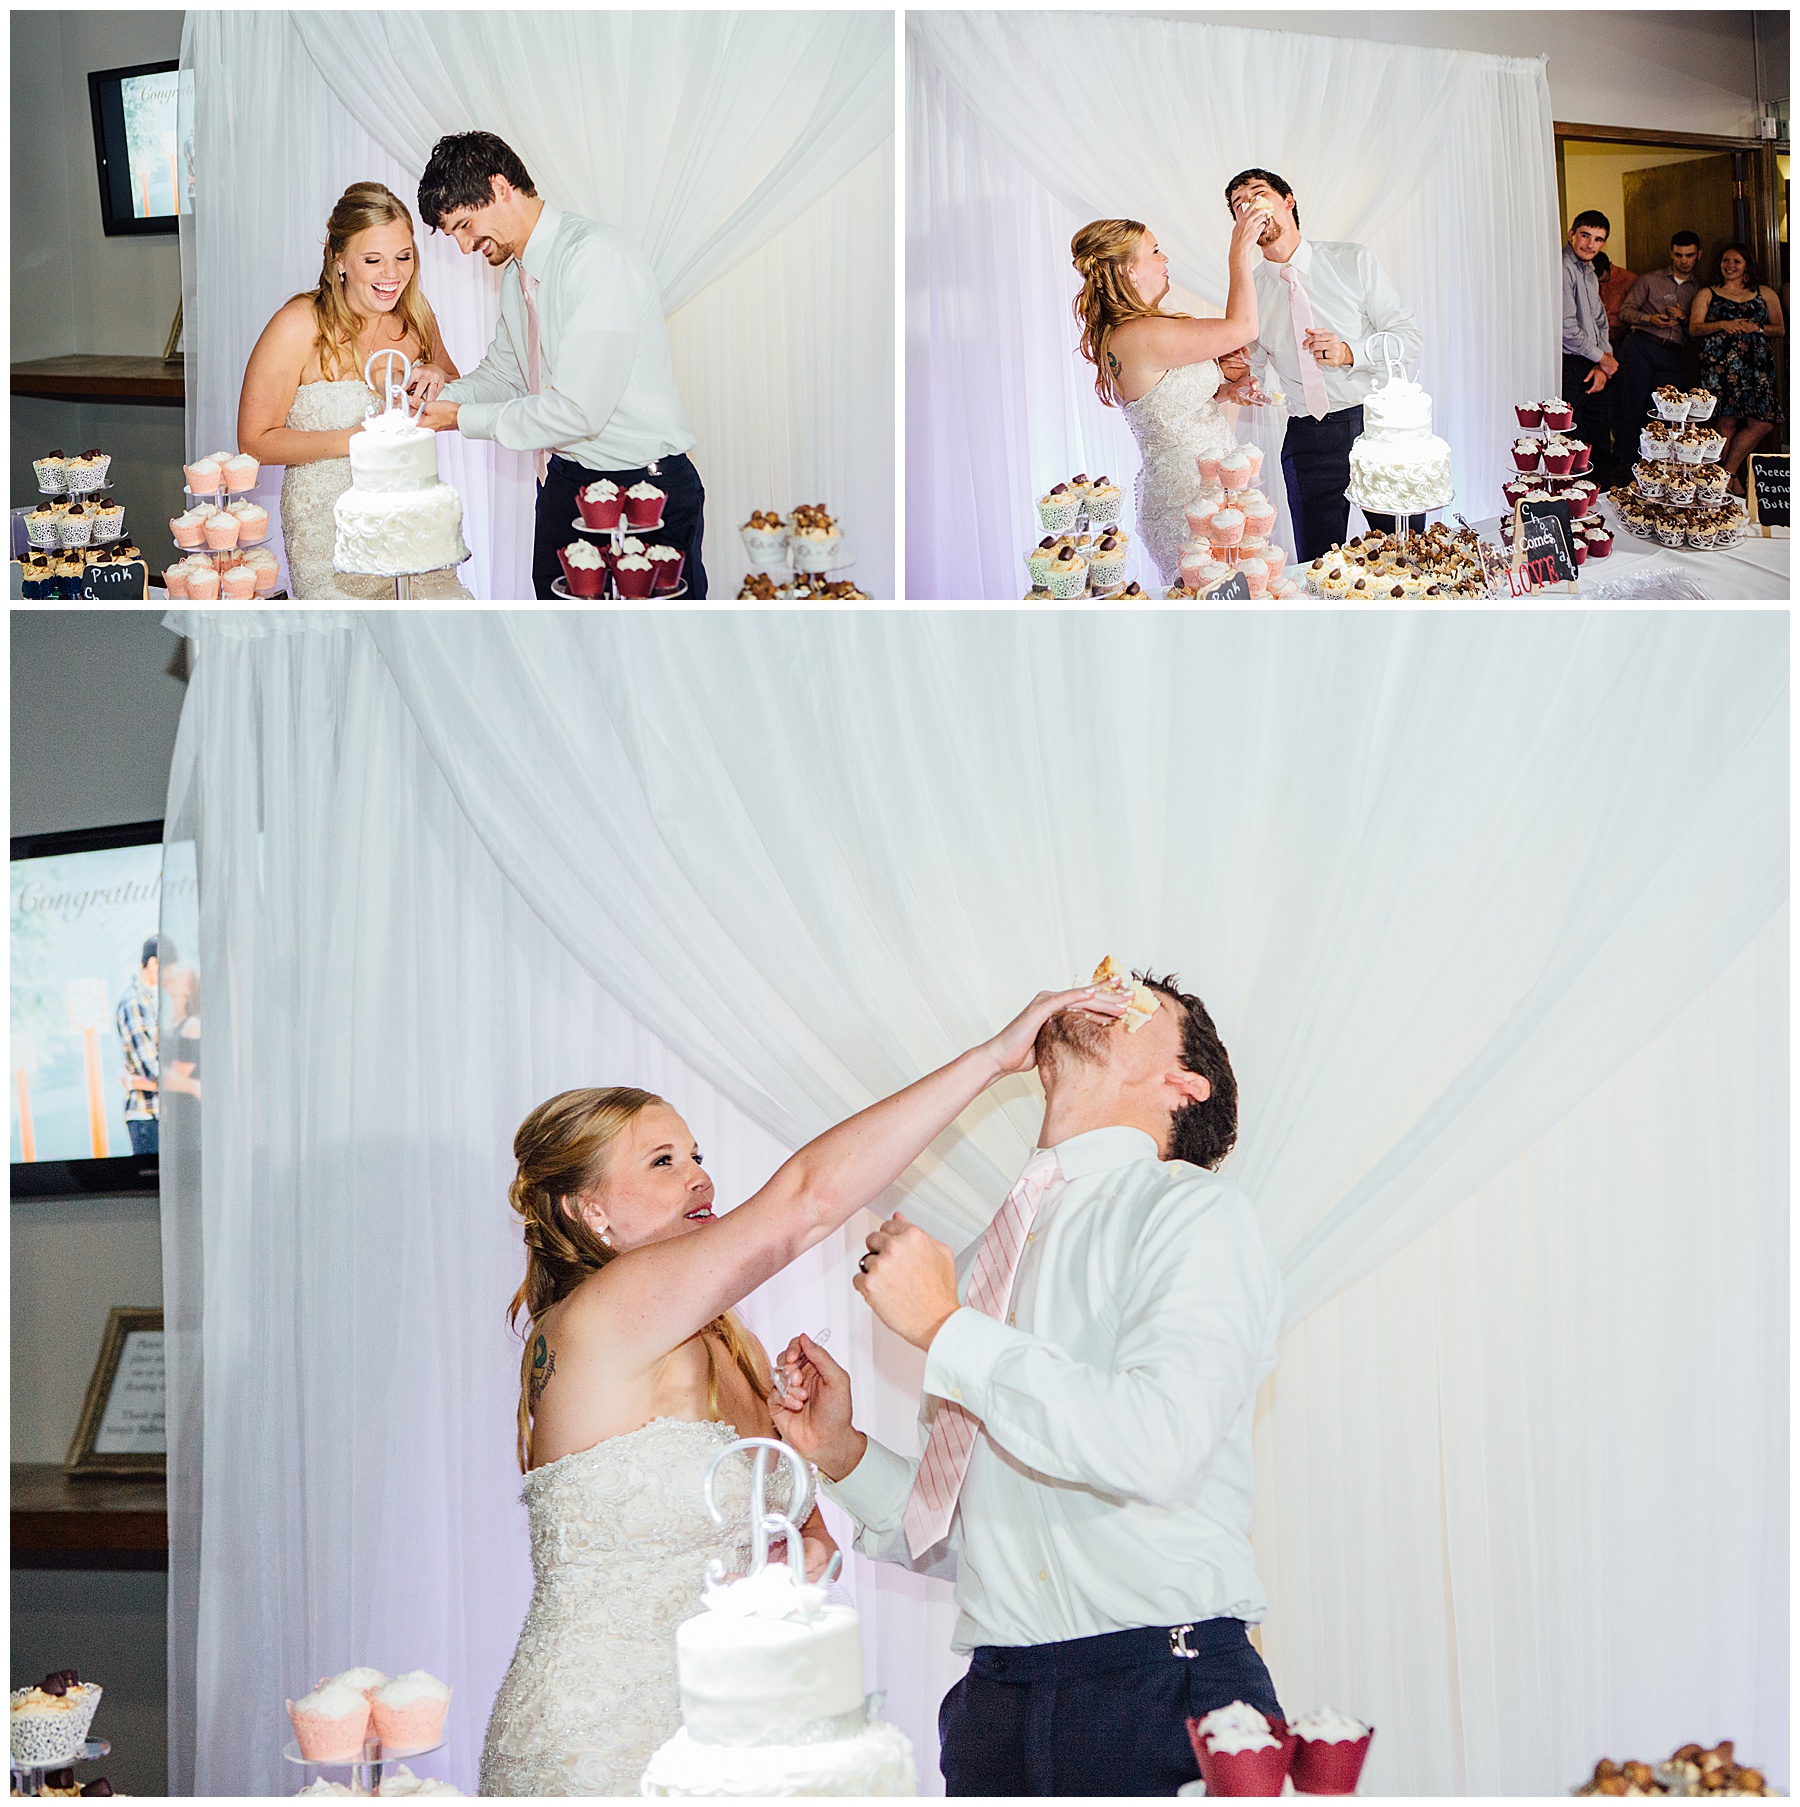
point(1173, 422)
point(620, 1540)
point(308, 491)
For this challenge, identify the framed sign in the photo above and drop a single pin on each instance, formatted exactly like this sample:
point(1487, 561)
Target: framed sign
point(122, 1427)
point(1236, 588)
point(1767, 489)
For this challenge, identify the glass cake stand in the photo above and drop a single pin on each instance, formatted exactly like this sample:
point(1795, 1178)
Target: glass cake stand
point(1402, 522)
point(365, 1776)
point(29, 1777)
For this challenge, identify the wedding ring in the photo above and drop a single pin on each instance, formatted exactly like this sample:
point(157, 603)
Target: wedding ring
point(862, 1267)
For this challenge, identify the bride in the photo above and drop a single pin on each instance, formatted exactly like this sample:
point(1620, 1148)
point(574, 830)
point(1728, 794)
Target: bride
point(636, 1373)
point(304, 395)
point(1164, 370)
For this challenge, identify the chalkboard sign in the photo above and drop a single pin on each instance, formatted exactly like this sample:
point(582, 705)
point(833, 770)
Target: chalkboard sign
point(1236, 588)
point(1768, 489)
point(119, 583)
point(1540, 554)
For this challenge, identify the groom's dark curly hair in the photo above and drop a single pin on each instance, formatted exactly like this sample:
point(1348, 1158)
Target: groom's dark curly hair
point(1203, 1133)
point(461, 173)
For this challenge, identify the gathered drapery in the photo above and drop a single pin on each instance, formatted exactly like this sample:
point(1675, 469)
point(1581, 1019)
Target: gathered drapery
point(1451, 149)
point(1441, 880)
point(744, 152)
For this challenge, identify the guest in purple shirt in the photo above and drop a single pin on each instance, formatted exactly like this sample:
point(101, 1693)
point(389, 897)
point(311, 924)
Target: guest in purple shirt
point(1656, 309)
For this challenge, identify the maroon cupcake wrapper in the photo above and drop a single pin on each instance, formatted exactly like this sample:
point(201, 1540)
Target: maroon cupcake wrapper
point(584, 580)
point(600, 514)
point(1584, 456)
point(1600, 548)
point(1558, 418)
point(1529, 417)
point(1526, 461)
point(667, 574)
point(1244, 1772)
point(1321, 1768)
point(1559, 464)
point(642, 514)
point(1579, 552)
point(633, 583)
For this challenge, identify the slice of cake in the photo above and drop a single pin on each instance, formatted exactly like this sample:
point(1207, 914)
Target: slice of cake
point(1143, 1000)
point(772, 1700)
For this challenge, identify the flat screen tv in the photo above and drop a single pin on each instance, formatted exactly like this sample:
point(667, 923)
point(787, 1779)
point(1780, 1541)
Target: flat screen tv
point(86, 962)
point(144, 145)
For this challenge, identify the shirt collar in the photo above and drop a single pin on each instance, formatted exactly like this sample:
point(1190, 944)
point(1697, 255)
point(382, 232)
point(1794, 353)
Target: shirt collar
point(1301, 261)
point(536, 255)
point(1097, 1150)
point(1668, 270)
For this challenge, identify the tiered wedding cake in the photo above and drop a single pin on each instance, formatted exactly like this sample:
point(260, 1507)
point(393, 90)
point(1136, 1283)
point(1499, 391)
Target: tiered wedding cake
point(397, 518)
point(1398, 465)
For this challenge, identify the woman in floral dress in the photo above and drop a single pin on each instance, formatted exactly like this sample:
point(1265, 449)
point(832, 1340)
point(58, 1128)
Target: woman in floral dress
point(1735, 320)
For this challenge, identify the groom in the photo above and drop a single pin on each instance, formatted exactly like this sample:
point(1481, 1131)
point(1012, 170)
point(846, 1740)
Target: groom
point(1090, 1380)
point(579, 371)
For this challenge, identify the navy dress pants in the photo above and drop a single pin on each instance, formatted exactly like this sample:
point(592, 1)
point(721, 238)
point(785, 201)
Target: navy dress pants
point(1093, 1716)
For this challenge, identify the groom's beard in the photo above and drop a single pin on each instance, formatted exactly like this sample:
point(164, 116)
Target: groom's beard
point(1070, 1036)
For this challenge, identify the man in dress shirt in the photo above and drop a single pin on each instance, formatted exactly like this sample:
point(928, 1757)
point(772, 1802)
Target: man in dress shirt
point(1588, 361)
point(1100, 1528)
point(579, 371)
point(1320, 303)
point(1656, 309)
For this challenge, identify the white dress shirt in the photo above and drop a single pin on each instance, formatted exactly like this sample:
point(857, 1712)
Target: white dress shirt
point(1352, 297)
point(1110, 1486)
point(609, 399)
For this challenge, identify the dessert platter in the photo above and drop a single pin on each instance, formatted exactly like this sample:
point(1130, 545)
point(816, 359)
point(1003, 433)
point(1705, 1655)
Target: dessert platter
point(770, 1672)
point(365, 1722)
point(793, 556)
point(50, 1722)
point(1242, 1752)
point(619, 563)
point(1692, 1770)
point(1440, 563)
point(398, 519)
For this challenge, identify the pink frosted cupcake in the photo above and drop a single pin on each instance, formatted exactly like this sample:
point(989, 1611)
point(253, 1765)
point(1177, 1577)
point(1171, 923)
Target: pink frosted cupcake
point(1256, 459)
point(1234, 469)
point(667, 563)
point(1259, 517)
point(409, 1711)
point(175, 579)
point(1275, 558)
point(1209, 466)
point(240, 474)
point(205, 477)
point(238, 584)
point(1196, 555)
point(584, 567)
point(330, 1723)
point(221, 531)
point(253, 522)
point(202, 583)
point(644, 504)
point(1226, 528)
point(189, 529)
point(633, 574)
point(1256, 574)
point(268, 573)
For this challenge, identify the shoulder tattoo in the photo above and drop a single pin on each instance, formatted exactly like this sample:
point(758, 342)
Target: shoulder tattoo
point(543, 1365)
point(1113, 363)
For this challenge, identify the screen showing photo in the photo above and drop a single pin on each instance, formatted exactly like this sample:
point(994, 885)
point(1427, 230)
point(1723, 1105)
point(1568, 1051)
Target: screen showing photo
point(153, 135)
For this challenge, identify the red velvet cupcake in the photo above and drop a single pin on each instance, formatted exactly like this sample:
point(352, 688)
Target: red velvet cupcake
point(1531, 414)
point(585, 569)
point(644, 505)
point(1331, 1753)
point(633, 574)
point(1241, 1752)
point(601, 504)
point(668, 563)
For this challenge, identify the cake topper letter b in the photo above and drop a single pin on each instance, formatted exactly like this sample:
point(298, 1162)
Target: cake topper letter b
point(392, 390)
point(766, 1524)
point(1390, 348)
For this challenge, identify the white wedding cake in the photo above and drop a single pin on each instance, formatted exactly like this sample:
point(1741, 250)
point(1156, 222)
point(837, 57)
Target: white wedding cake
point(1397, 464)
point(397, 518)
point(772, 1700)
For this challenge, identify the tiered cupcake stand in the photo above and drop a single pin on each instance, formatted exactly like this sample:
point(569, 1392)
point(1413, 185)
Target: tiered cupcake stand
point(28, 1778)
point(1697, 498)
point(1082, 524)
point(365, 1771)
point(614, 539)
point(220, 556)
point(77, 495)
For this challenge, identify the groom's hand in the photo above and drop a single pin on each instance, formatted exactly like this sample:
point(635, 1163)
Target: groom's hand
point(439, 416)
point(812, 1412)
point(909, 1279)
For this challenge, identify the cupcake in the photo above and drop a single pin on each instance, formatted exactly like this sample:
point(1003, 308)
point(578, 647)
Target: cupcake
point(268, 572)
point(203, 582)
point(1259, 518)
point(1275, 558)
point(1701, 403)
point(1711, 480)
point(1330, 1753)
point(1671, 403)
point(238, 584)
point(109, 522)
point(175, 579)
point(1196, 555)
point(1234, 470)
point(42, 524)
point(667, 563)
point(1526, 453)
point(364, 1680)
point(1599, 543)
point(1226, 528)
point(253, 522)
point(1038, 561)
point(239, 473)
point(584, 567)
point(76, 527)
point(1649, 479)
point(1202, 512)
point(1105, 502)
point(1255, 454)
point(221, 530)
point(87, 472)
point(1584, 455)
point(205, 477)
point(401, 1780)
point(1678, 491)
point(1068, 573)
point(814, 541)
point(1106, 563)
point(330, 1723)
point(1083, 486)
point(1255, 572)
point(37, 577)
point(1531, 414)
point(1558, 414)
point(50, 1721)
point(1057, 510)
point(1240, 1752)
point(52, 479)
point(603, 502)
point(1208, 463)
point(633, 573)
point(1559, 457)
point(644, 504)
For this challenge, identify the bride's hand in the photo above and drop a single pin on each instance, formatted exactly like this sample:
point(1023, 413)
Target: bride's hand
point(1014, 1048)
point(1249, 228)
point(427, 381)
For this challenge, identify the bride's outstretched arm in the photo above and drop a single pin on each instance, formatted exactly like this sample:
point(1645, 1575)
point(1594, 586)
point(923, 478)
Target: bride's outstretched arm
point(648, 1301)
point(1171, 341)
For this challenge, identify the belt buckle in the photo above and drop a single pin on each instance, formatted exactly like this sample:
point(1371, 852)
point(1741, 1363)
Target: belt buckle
point(1178, 1644)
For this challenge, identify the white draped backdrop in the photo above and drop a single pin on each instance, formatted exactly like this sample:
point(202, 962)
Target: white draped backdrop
point(750, 155)
point(1491, 911)
point(1021, 127)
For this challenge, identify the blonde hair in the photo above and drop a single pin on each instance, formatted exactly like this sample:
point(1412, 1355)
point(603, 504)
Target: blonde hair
point(360, 206)
point(1103, 250)
point(562, 1148)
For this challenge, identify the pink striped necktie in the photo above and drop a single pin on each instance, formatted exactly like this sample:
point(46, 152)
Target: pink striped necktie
point(1312, 378)
point(932, 1503)
point(529, 284)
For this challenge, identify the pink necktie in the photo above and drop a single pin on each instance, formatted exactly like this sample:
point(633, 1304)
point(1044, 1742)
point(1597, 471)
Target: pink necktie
point(932, 1502)
point(1312, 378)
point(529, 284)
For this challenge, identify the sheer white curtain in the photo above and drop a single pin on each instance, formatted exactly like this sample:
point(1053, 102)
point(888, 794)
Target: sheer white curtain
point(1439, 878)
point(708, 137)
point(1441, 161)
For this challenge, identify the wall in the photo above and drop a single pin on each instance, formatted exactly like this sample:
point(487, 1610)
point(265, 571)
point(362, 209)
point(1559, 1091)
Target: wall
point(95, 701)
point(73, 288)
point(1667, 71)
point(1594, 176)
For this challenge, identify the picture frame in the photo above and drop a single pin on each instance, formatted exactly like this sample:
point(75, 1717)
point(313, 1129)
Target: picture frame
point(121, 1430)
point(173, 352)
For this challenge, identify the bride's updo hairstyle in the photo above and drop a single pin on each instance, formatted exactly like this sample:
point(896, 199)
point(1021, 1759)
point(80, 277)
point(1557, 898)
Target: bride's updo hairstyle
point(562, 1151)
point(360, 206)
point(1103, 250)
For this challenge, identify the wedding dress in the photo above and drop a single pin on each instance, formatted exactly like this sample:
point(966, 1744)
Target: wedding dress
point(620, 1539)
point(1173, 421)
point(308, 491)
